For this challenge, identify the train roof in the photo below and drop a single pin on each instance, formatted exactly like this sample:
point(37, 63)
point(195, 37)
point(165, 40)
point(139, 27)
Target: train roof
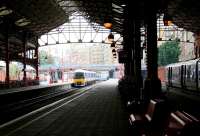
point(189, 62)
point(84, 71)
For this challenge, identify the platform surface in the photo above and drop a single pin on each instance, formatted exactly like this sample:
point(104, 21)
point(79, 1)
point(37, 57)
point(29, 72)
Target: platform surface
point(98, 112)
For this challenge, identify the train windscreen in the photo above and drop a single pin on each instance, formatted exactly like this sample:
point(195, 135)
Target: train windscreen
point(78, 75)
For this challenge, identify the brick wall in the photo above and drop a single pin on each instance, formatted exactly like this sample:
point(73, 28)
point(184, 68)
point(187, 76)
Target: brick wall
point(161, 73)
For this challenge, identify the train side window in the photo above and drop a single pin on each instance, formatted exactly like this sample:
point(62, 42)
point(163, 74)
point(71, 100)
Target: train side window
point(193, 72)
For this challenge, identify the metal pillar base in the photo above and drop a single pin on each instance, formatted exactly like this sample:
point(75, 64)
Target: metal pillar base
point(127, 87)
point(152, 89)
point(37, 81)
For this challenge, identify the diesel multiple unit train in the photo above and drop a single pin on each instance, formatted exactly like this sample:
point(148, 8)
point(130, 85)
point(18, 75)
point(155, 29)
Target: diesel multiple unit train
point(83, 77)
point(185, 75)
point(78, 77)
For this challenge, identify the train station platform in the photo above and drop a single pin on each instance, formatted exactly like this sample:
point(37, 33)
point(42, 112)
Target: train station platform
point(96, 112)
point(34, 87)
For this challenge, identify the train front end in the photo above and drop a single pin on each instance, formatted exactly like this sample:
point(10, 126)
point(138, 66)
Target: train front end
point(79, 79)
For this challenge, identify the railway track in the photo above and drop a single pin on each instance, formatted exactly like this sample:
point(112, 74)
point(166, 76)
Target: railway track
point(13, 110)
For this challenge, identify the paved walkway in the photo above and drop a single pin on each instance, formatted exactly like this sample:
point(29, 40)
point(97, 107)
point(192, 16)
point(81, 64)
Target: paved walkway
point(34, 87)
point(98, 112)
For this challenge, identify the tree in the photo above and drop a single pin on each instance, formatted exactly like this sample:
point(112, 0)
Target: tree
point(168, 52)
point(14, 70)
point(43, 57)
point(46, 58)
point(50, 59)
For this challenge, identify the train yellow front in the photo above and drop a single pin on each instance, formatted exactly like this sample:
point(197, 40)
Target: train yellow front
point(83, 77)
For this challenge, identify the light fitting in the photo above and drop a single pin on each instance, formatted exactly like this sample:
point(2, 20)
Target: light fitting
point(22, 22)
point(111, 37)
point(112, 45)
point(108, 25)
point(5, 11)
point(167, 19)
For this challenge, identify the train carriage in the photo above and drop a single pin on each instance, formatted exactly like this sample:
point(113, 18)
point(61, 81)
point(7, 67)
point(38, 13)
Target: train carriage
point(83, 77)
point(184, 74)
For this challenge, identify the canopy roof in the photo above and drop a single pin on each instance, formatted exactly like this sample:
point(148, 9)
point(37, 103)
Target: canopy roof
point(28, 19)
point(36, 17)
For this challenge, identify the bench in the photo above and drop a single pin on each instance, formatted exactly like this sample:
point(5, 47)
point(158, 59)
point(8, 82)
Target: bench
point(152, 120)
point(182, 124)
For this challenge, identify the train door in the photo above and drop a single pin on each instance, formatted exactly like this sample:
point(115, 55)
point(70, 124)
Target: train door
point(176, 79)
point(169, 76)
point(183, 75)
point(190, 81)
